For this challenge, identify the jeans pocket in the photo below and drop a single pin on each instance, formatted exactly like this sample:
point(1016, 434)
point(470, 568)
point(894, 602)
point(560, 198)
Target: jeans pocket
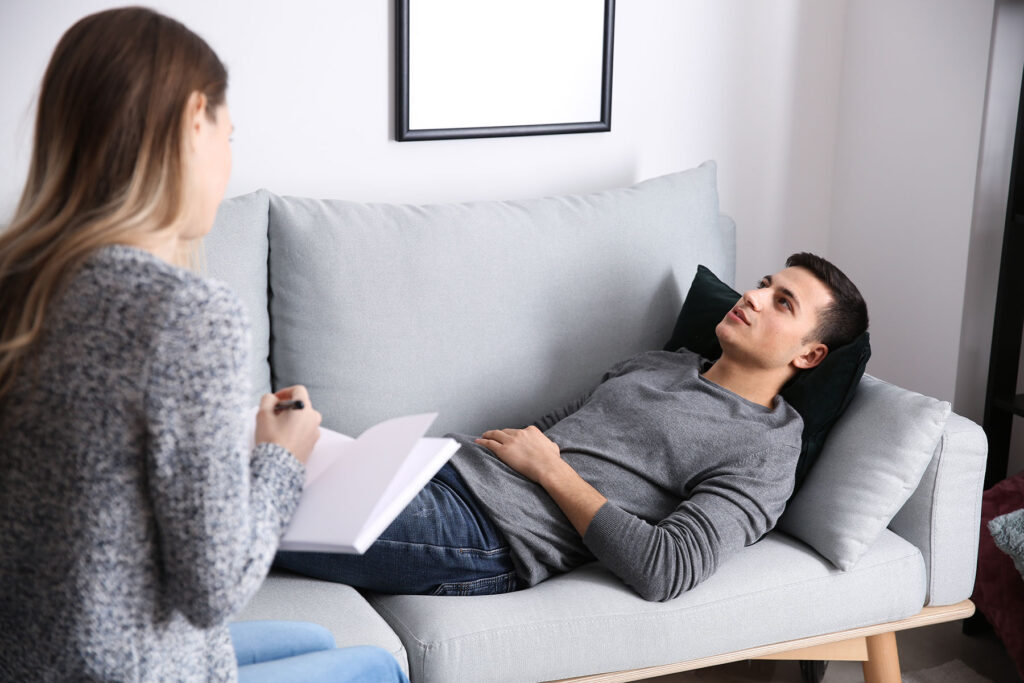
point(489, 585)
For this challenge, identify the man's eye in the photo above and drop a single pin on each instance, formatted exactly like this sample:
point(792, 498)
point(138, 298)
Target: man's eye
point(762, 284)
point(785, 302)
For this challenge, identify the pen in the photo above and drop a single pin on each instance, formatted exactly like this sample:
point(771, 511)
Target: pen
point(288, 405)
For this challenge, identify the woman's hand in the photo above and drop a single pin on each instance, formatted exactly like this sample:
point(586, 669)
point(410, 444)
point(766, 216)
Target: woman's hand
point(295, 430)
point(528, 451)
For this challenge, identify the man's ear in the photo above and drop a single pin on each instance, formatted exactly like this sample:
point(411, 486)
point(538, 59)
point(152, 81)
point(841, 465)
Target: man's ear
point(811, 356)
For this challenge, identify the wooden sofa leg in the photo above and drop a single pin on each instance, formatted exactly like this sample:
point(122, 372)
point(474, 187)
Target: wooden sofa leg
point(883, 663)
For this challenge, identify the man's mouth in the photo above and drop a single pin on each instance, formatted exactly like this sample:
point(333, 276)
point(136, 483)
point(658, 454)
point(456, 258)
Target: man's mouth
point(740, 314)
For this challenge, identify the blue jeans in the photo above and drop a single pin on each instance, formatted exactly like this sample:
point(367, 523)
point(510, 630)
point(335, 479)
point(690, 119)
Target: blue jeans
point(277, 651)
point(443, 543)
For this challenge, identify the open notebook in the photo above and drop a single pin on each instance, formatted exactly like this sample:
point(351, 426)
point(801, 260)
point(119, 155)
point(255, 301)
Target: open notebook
point(356, 487)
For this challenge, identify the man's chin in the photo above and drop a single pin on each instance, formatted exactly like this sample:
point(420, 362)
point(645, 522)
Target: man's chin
point(726, 333)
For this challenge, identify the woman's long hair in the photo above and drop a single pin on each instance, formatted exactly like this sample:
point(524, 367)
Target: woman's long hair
point(107, 158)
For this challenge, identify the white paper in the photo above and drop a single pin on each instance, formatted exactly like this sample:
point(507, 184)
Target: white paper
point(427, 457)
point(327, 446)
point(356, 487)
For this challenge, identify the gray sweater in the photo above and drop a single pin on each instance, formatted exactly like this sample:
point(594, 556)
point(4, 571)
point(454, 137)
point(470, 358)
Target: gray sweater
point(134, 519)
point(692, 473)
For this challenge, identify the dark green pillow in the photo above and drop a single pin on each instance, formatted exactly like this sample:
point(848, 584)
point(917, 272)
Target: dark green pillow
point(820, 395)
point(707, 302)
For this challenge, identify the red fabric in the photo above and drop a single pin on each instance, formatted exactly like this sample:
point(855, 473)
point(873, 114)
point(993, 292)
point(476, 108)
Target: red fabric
point(999, 587)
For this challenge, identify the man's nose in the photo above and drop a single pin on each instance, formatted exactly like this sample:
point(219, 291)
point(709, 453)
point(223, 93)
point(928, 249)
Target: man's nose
point(752, 297)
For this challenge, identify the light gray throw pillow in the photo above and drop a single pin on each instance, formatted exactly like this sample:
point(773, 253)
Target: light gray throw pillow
point(872, 462)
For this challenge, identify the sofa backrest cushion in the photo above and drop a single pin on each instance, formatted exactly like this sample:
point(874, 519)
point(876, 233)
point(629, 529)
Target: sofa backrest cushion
point(491, 313)
point(236, 253)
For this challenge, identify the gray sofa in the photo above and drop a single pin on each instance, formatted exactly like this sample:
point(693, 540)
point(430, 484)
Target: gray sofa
point(494, 313)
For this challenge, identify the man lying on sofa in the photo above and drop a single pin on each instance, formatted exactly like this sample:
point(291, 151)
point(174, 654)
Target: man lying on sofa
point(667, 467)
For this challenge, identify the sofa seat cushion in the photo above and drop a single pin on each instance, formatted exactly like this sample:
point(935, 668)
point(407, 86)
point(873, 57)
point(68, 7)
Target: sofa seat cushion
point(589, 622)
point(340, 608)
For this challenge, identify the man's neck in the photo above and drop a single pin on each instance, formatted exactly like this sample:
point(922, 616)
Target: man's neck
point(758, 385)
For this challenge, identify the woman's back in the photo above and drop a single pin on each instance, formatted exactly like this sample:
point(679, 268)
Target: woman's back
point(136, 517)
point(125, 441)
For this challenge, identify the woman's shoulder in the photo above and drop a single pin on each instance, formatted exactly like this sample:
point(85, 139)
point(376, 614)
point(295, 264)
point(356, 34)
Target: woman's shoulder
point(143, 300)
point(121, 271)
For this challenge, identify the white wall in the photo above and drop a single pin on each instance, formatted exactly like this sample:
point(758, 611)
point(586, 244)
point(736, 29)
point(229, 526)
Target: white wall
point(753, 85)
point(847, 128)
point(913, 90)
point(1000, 127)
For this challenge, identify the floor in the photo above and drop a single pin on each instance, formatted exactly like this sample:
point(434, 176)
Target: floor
point(921, 648)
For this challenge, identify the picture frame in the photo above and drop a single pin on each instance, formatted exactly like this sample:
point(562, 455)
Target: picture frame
point(499, 68)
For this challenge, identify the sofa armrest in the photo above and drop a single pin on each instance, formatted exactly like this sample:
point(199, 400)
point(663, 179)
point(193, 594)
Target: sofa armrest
point(942, 516)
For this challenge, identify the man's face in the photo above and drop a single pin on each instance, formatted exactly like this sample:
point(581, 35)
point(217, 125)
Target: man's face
point(771, 326)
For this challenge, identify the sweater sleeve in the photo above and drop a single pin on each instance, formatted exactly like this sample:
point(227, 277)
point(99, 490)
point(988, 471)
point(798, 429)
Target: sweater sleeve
point(220, 508)
point(724, 513)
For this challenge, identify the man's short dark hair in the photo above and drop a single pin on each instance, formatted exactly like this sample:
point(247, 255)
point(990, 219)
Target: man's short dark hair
point(846, 317)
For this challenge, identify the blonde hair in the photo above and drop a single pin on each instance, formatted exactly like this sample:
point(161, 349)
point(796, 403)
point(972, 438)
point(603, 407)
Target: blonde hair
point(107, 159)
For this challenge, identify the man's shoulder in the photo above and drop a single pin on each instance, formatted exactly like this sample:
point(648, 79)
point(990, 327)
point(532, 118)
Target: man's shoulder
point(771, 432)
point(790, 422)
point(681, 358)
point(653, 361)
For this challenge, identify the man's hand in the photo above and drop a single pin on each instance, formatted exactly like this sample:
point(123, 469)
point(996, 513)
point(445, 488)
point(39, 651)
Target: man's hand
point(528, 451)
point(533, 455)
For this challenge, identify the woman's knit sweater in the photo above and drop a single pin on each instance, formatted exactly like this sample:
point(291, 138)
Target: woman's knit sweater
point(134, 518)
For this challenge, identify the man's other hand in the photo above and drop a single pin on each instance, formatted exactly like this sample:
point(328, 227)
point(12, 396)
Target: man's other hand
point(527, 451)
point(533, 455)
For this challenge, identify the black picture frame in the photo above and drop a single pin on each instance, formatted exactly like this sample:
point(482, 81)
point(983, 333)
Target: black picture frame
point(403, 133)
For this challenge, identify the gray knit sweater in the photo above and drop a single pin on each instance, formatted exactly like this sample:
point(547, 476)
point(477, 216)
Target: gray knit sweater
point(692, 473)
point(134, 519)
